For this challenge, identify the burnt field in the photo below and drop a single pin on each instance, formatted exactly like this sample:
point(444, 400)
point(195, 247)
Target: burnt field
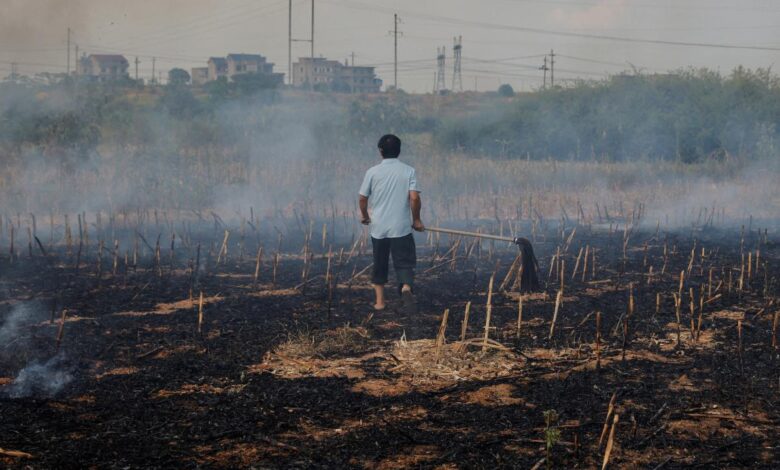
point(185, 340)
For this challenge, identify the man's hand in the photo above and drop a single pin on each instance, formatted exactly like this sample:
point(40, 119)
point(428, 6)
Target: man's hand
point(363, 204)
point(418, 225)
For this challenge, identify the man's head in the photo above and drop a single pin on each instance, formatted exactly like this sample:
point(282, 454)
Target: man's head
point(389, 146)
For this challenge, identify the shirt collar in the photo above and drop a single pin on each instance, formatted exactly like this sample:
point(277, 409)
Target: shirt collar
point(389, 160)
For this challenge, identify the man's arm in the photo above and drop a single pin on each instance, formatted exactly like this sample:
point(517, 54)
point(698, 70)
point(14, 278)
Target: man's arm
point(365, 192)
point(363, 203)
point(416, 205)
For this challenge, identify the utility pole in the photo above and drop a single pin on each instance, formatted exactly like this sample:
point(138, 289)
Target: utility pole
point(457, 81)
point(289, 42)
point(545, 69)
point(136, 68)
point(76, 61)
point(353, 58)
point(395, 34)
point(310, 69)
point(552, 68)
point(395, 52)
point(154, 59)
point(311, 83)
point(67, 67)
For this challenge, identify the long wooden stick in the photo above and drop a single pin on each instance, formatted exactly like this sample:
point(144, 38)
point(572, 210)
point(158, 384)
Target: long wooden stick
point(470, 234)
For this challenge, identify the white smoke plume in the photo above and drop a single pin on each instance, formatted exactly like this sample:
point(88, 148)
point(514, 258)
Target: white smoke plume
point(37, 378)
point(41, 379)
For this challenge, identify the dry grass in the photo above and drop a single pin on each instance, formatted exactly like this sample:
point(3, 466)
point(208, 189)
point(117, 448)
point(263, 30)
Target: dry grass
point(305, 344)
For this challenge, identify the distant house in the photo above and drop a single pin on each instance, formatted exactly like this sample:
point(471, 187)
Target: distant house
point(335, 75)
point(199, 75)
point(234, 65)
point(247, 63)
point(217, 68)
point(103, 67)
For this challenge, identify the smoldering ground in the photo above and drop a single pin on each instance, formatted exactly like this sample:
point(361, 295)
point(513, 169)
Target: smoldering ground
point(26, 353)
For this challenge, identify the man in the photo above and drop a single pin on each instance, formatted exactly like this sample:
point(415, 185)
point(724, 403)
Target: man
point(391, 186)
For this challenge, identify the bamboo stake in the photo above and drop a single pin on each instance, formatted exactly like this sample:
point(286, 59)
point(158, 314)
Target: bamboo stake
point(552, 265)
point(116, 258)
point(519, 314)
point(465, 324)
point(739, 345)
point(693, 255)
point(200, 313)
point(682, 283)
point(223, 247)
point(577, 264)
point(585, 263)
point(774, 328)
point(701, 312)
point(692, 308)
point(509, 273)
point(666, 252)
point(489, 311)
point(558, 300)
point(598, 341)
point(563, 272)
point(610, 442)
point(742, 274)
point(440, 336)
point(61, 329)
point(677, 307)
point(610, 410)
point(276, 264)
point(258, 264)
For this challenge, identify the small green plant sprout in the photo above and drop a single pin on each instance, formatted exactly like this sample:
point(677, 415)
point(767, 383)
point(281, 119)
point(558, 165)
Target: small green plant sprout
point(551, 434)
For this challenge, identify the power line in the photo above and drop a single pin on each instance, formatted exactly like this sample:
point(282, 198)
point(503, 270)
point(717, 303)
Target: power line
point(233, 19)
point(665, 6)
point(196, 24)
point(525, 29)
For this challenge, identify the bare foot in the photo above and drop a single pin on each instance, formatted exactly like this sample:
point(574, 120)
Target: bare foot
point(379, 307)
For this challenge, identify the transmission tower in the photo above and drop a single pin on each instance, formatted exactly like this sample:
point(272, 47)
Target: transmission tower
point(457, 81)
point(441, 84)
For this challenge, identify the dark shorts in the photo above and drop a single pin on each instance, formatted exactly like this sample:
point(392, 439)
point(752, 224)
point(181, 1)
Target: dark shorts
point(404, 255)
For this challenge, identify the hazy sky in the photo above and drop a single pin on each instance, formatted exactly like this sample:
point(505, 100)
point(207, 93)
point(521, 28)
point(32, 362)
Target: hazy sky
point(503, 40)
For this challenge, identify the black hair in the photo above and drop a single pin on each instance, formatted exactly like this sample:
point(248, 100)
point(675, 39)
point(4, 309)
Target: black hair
point(389, 146)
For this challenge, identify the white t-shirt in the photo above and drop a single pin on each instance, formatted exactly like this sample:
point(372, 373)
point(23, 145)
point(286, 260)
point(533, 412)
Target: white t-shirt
point(387, 187)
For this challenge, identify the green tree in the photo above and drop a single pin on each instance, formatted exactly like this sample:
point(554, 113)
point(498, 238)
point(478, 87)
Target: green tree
point(506, 90)
point(178, 77)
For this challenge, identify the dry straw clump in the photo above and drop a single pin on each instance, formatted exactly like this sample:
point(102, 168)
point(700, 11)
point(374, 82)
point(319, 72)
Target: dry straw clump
point(455, 361)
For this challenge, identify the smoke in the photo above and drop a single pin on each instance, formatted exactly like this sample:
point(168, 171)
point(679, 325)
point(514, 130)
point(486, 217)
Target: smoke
point(43, 380)
point(40, 378)
point(15, 325)
point(28, 26)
